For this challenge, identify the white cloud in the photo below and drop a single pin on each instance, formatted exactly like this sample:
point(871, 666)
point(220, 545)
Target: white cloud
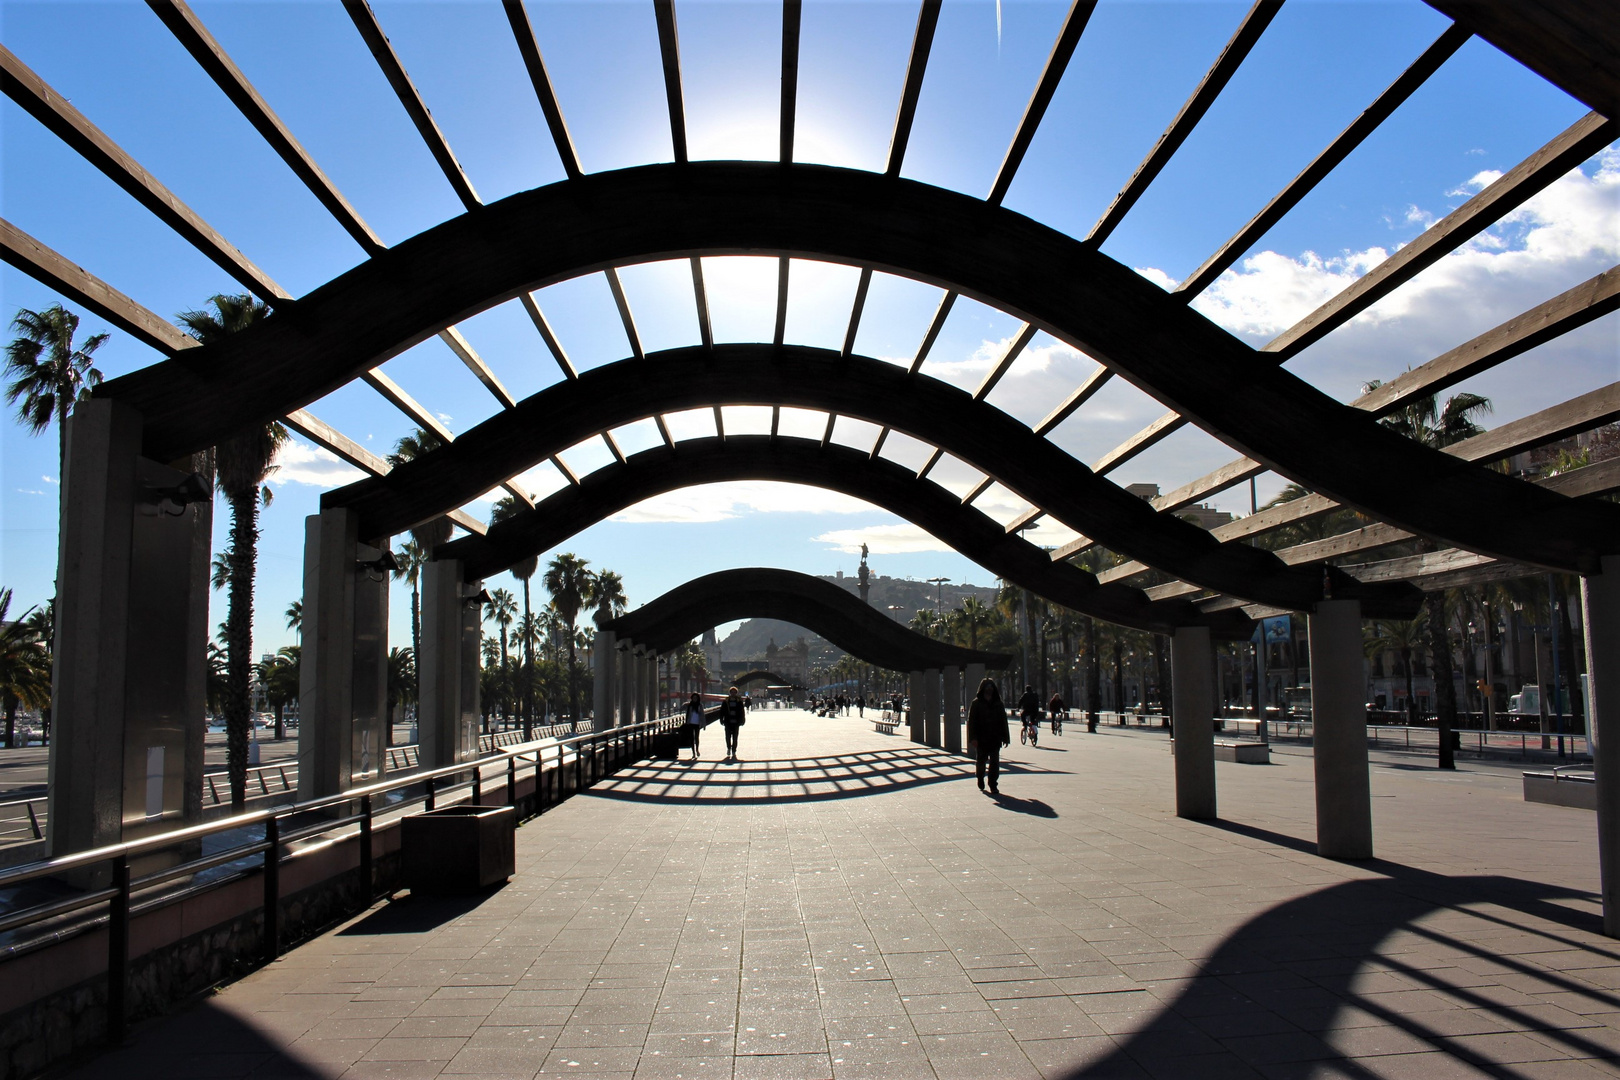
point(50, 479)
point(1564, 235)
point(298, 462)
point(722, 502)
point(29, 491)
point(900, 538)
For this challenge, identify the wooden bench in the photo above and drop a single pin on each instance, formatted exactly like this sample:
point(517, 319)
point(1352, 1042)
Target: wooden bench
point(885, 727)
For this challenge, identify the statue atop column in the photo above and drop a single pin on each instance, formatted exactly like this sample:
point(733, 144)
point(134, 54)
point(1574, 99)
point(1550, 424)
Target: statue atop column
point(865, 579)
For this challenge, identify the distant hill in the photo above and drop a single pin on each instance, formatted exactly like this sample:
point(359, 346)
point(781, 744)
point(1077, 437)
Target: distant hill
point(749, 640)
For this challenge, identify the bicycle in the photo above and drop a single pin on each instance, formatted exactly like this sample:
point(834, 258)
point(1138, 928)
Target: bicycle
point(1058, 717)
point(1030, 733)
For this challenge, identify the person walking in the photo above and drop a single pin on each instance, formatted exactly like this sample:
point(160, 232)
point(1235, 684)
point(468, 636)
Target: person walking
point(987, 731)
point(732, 718)
point(695, 721)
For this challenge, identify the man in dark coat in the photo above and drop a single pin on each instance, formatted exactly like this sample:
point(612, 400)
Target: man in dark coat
point(987, 730)
point(732, 718)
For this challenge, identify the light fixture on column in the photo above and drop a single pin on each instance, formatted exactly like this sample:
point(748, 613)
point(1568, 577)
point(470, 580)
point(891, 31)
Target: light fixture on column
point(476, 599)
point(379, 568)
point(172, 501)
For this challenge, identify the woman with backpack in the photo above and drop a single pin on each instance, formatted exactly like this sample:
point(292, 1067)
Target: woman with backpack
point(695, 721)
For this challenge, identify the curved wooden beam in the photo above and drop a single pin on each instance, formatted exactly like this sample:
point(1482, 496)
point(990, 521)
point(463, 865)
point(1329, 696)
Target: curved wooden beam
point(765, 593)
point(534, 238)
point(834, 468)
point(925, 408)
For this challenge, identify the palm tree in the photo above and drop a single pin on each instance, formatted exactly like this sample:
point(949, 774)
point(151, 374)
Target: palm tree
point(505, 509)
point(530, 633)
point(502, 608)
point(1422, 420)
point(295, 618)
point(924, 622)
point(25, 670)
point(41, 622)
point(1404, 637)
point(410, 561)
point(217, 679)
point(280, 674)
point(48, 375)
point(401, 683)
point(570, 582)
point(242, 463)
point(973, 616)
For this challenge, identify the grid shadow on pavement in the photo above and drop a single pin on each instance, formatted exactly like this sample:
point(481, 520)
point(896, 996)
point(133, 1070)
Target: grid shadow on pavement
point(771, 919)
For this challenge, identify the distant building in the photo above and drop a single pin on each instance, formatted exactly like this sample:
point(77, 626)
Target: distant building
point(1204, 515)
point(711, 651)
point(791, 661)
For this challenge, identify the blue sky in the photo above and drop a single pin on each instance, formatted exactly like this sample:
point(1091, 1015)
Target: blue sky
point(1316, 68)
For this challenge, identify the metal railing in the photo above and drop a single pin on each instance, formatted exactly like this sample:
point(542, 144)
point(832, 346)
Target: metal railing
point(578, 762)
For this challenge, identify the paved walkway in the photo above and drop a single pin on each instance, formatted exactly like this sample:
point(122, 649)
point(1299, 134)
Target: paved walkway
point(844, 904)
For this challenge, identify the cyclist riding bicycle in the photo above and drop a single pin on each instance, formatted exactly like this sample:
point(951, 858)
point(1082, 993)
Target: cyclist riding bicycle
point(1029, 707)
point(1058, 712)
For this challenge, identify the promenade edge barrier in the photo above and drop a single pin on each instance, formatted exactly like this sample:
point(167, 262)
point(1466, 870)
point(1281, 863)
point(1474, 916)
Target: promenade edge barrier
point(594, 756)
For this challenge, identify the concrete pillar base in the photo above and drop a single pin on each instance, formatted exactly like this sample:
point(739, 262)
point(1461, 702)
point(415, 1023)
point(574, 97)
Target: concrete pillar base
point(951, 689)
point(1193, 710)
point(452, 632)
point(915, 714)
point(1600, 610)
point(1339, 724)
point(931, 707)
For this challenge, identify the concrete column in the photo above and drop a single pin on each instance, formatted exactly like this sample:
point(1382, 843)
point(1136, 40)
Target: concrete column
point(931, 707)
point(627, 687)
point(604, 657)
point(1192, 710)
point(915, 714)
point(952, 720)
point(1600, 612)
point(452, 631)
point(130, 678)
point(1339, 723)
point(640, 674)
point(972, 676)
point(343, 672)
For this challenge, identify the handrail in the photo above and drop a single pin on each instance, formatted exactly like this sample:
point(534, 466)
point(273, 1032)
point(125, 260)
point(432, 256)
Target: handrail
point(133, 848)
point(624, 741)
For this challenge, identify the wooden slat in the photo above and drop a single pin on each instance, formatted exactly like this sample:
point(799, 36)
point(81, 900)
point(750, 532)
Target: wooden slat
point(877, 445)
point(529, 48)
point(1592, 299)
point(1573, 146)
point(212, 58)
point(792, 11)
point(325, 435)
point(978, 489)
point(995, 374)
point(406, 404)
point(1082, 394)
point(468, 522)
point(922, 41)
point(382, 50)
point(622, 302)
point(700, 296)
point(1074, 24)
point(1365, 538)
point(780, 333)
point(1160, 429)
point(53, 110)
point(1072, 548)
point(613, 447)
point(548, 335)
point(776, 419)
point(1581, 413)
point(928, 466)
point(1576, 307)
point(475, 364)
point(719, 424)
point(663, 431)
point(1328, 160)
point(1192, 111)
point(855, 310)
point(669, 50)
point(562, 467)
point(1603, 478)
point(50, 268)
point(935, 325)
point(826, 436)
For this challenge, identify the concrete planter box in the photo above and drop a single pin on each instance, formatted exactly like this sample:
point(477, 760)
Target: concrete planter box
point(1576, 790)
point(459, 849)
point(1244, 753)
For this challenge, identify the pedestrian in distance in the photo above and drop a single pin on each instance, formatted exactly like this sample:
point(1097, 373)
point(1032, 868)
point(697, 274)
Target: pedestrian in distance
point(860, 706)
point(695, 721)
point(732, 718)
point(987, 731)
